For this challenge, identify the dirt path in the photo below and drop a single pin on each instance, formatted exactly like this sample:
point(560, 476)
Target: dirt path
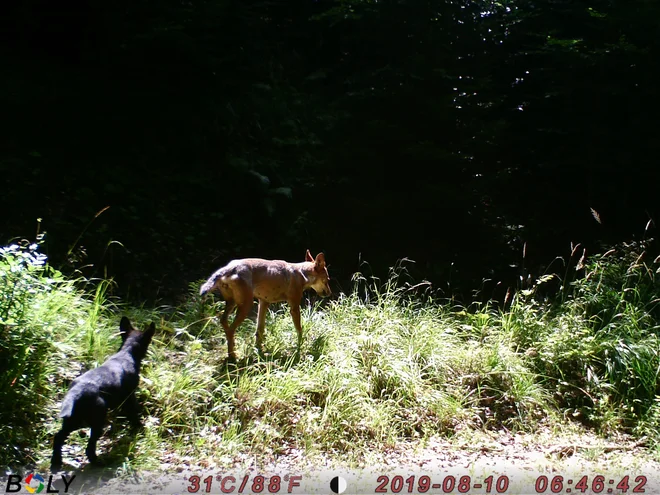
point(503, 463)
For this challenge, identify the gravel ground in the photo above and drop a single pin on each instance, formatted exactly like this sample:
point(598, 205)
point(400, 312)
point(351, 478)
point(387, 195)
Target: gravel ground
point(473, 463)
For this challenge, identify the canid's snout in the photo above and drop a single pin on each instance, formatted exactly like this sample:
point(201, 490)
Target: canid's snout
point(323, 290)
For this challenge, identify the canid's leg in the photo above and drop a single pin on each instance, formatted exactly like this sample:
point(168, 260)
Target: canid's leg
point(241, 314)
point(243, 298)
point(60, 438)
point(261, 322)
point(230, 305)
point(94, 434)
point(295, 315)
point(132, 410)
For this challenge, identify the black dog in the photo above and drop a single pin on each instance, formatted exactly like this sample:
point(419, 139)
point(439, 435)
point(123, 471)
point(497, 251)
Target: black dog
point(94, 393)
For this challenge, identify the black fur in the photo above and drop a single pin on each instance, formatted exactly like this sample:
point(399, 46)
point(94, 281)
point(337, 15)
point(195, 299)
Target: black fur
point(97, 391)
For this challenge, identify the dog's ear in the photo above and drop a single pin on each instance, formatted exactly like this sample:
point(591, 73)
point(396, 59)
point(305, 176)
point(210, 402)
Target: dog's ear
point(125, 328)
point(308, 256)
point(148, 334)
point(320, 260)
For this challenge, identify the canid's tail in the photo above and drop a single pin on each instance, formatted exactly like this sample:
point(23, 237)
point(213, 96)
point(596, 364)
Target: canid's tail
point(67, 407)
point(206, 287)
point(209, 284)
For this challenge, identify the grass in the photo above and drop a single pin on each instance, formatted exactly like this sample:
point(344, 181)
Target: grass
point(49, 331)
point(382, 365)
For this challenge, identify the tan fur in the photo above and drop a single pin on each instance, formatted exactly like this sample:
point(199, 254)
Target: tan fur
point(269, 281)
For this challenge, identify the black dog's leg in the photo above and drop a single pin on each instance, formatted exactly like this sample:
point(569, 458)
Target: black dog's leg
point(94, 434)
point(131, 409)
point(60, 438)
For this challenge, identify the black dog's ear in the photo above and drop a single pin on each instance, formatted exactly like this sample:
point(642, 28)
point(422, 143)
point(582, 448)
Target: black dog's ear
point(151, 330)
point(125, 327)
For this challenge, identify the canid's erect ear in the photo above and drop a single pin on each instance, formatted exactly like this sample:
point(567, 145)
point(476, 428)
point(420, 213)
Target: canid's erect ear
point(308, 256)
point(125, 327)
point(151, 330)
point(320, 260)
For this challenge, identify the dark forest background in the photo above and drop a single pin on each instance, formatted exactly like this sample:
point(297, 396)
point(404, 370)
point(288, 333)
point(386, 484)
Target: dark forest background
point(450, 132)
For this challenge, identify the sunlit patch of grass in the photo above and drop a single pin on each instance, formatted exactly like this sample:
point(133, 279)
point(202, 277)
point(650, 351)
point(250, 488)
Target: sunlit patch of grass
point(382, 365)
point(372, 370)
point(50, 331)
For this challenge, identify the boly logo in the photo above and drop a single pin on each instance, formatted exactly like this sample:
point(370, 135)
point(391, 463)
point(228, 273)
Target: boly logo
point(35, 483)
point(28, 483)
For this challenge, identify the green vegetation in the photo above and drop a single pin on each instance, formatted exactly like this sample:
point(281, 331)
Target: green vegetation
point(382, 364)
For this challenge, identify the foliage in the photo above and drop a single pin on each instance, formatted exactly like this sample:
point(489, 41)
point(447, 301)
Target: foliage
point(598, 349)
point(384, 364)
point(45, 320)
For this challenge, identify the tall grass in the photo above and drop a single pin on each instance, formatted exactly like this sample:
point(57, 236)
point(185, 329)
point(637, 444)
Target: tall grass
point(49, 331)
point(599, 349)
point(381, 365)
point(376, 367)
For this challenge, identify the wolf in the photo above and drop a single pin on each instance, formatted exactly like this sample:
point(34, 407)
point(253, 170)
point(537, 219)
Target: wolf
point(269, 281)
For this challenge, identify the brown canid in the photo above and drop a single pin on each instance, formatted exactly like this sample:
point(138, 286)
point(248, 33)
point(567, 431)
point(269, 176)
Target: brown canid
point(269, 281)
